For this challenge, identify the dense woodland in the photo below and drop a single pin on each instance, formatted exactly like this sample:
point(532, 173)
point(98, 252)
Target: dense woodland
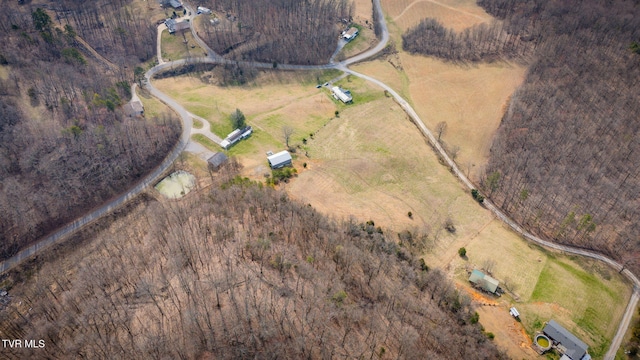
point(564, 161)
point(286, 32)
point(65, 146)
point(240, 271)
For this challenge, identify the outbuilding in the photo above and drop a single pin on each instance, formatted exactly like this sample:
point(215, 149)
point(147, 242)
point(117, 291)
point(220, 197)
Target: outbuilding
point(280, 160)
point(350, 34)
point(216, 161)
point(133, 109)
point(483, 281)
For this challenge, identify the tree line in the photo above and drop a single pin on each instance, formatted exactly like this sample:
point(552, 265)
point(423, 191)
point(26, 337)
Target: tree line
point(482, 42)
point(242, 271)
point(65, 145)
point(286, 32)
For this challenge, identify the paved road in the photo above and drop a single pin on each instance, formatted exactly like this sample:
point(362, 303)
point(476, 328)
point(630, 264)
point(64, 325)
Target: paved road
point(184, 140)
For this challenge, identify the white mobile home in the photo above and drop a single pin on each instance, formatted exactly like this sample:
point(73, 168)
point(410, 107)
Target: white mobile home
point(341, 94)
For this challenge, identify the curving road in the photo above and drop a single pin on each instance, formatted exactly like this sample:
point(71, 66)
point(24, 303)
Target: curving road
point(186, 118)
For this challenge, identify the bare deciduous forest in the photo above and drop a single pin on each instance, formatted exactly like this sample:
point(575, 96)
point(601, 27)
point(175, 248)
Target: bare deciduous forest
point(65, 146)
point(482, 42)
point(564, 161)
point(286, 32)
point(242, 271)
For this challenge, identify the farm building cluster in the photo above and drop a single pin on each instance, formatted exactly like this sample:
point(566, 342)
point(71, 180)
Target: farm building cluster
point(235, 136)
point(553, 335)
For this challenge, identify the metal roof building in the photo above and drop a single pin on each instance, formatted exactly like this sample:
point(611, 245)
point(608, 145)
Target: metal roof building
point(280, 160)
point(568, 344)
point(350, 34)
point(174, 26)
point(485, 282)
point(235, 136)
point(216, 160)
point(341, 94)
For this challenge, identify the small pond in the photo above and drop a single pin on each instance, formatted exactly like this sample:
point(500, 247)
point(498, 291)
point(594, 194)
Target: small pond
point(176, 185)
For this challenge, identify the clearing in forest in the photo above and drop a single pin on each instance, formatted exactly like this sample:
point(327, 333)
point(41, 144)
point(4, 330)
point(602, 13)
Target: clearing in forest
point(180, 45)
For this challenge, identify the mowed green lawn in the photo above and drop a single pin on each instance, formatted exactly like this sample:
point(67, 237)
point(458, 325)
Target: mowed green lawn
point(590, 301)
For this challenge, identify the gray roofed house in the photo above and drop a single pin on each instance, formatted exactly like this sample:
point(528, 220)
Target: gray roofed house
point(280, 160)
point(568, 344)
point(174, 26)
point(217, 160)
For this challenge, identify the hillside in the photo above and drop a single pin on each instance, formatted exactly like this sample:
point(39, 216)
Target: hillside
point(65, 144)
point(563, 162)
point(289, 32)
point(240, 271)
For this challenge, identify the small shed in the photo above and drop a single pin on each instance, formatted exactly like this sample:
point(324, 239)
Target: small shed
point(133, 109)
point(514, 312)
point(204, 10)
point(216, 161)
point(280, 160)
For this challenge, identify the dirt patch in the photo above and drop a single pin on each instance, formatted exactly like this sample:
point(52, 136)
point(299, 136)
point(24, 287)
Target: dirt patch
point(510, 335)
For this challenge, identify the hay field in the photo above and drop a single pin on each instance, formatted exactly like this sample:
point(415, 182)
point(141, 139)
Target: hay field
point(455, 14)
point(470, 99)
point(372, 163)
point(363, 11)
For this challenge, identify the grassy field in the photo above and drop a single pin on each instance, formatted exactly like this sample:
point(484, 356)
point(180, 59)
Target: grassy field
point(152, 106)
point(273, 101)
point(456, 14)
point(205, 141)
point(197, 124)
point(179, 46)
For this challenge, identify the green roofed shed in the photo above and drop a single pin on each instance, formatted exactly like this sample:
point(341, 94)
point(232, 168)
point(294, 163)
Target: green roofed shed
point(485, 282)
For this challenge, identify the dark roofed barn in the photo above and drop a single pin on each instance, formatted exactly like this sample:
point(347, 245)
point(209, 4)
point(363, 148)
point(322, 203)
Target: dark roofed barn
point(217, 160)
point(568, 344)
